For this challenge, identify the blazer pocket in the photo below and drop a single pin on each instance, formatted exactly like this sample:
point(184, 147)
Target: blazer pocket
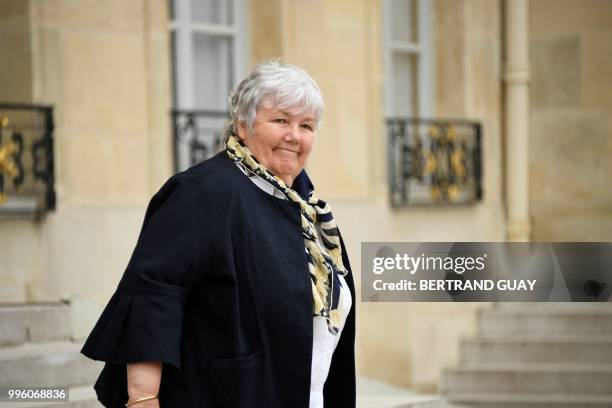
point(233, 361)
point(235, 381)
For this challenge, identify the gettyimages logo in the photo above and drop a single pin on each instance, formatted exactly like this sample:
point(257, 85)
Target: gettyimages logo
point(412, 264)
point(470, 271)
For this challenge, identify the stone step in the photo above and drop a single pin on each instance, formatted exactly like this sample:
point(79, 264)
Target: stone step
point(80, 397)
point(377, 394)
point(401, 402)
point(47, 364)
point(553, 349)
point(590, 379)
point(557, 306)
point(34, 323)
point(543, 322)
point(498, 400)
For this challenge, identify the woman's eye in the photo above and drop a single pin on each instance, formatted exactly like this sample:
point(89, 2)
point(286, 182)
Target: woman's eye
point(306, 126)
point(280, 120)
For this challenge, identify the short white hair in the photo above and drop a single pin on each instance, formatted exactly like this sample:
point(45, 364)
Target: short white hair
point(282, 85)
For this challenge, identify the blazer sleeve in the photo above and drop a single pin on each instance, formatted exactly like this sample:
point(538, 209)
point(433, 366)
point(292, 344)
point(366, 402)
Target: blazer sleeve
point(143, 319)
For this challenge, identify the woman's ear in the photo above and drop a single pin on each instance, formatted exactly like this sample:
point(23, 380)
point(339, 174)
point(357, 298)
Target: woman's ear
point(241, 130)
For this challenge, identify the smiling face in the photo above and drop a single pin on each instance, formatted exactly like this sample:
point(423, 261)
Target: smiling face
point(281, 140)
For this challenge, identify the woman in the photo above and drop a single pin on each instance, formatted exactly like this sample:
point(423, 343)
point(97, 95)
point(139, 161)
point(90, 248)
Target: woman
point(239, 291)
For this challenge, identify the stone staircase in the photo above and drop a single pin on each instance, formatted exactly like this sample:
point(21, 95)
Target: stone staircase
point(536, 355)
point(36, 350)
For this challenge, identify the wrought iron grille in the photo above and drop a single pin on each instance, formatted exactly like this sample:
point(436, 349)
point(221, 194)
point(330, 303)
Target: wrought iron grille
point(26, 159)
point(198, 135)
point(434, 161)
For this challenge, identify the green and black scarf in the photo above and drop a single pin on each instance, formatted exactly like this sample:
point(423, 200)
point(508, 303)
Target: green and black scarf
point(324, 255)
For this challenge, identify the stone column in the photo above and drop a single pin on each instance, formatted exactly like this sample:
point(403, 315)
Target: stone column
point(516, 81)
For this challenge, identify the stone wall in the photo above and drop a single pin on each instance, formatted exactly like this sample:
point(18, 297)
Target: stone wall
point(105, 67)
point(571, 125)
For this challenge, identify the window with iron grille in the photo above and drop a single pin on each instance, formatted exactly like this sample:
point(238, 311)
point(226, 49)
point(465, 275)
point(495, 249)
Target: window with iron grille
point(209, 55)
point(430, 161)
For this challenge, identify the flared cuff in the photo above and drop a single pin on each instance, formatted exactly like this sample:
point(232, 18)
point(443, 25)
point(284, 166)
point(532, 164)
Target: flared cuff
point(139, 326)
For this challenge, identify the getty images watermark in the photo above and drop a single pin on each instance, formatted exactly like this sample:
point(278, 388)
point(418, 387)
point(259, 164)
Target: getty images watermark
point(485, 271)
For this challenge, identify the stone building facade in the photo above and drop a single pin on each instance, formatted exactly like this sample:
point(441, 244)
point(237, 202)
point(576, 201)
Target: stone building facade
point(107, 69)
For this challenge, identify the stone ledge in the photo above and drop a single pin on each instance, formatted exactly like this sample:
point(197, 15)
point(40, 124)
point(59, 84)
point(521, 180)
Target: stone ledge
point(20, 208)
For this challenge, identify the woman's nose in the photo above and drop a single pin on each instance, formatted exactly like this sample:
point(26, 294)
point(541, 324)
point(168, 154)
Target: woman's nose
point(293, 133)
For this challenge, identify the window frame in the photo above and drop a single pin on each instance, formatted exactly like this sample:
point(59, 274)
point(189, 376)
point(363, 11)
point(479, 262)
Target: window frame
point(183, 28)
point(422, 49)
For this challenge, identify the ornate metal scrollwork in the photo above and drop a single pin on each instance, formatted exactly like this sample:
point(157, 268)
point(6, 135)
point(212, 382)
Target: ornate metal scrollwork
point(434, 161)
point(30, 132)
point(43, 160)
point(198, 135)
point(10, 158)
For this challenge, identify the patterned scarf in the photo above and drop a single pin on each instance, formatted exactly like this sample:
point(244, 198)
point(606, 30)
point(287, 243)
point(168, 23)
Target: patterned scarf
point(325, 255)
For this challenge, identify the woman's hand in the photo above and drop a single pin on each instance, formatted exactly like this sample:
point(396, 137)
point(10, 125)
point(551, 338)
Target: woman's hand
point(143, 380)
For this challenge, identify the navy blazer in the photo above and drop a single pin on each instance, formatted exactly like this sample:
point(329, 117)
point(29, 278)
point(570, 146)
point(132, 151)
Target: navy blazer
point(218, 289)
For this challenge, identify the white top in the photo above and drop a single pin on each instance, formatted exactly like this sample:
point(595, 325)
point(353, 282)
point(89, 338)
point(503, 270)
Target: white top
point(323, 342)
point(323, 345)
